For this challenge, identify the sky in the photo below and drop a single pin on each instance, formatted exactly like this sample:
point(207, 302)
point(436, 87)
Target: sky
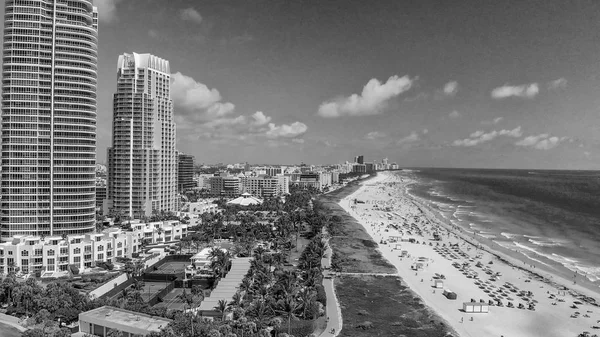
point(470, 83)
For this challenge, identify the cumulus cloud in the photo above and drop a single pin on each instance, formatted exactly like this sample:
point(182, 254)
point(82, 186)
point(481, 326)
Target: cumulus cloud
point(202, 111)
point(557, 84)
point(375, 135)
point(450, 88)
point(190, 14)
point(525, 91)
point(298, 140)
point(479, 137)
point(493, 121)
point(372, 101)
point(192, 97)
point(541, 142)
point(284, 130)
point(413, 137)
point(107, 10)
point(454, 114)
point(259, 118)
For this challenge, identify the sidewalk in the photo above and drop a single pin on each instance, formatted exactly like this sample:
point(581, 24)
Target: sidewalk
point(12, 321)
point(333, 311)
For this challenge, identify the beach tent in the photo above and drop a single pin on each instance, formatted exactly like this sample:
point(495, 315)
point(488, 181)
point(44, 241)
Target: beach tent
point(476, 307)
point(438, 284)
point(450, 294)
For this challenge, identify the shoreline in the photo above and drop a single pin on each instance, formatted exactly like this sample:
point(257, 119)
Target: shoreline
point(551, 317)
point(557, 277)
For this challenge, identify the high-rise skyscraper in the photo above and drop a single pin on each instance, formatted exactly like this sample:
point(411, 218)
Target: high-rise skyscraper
point(185, 171)
point(142, 162)
point(49, 117)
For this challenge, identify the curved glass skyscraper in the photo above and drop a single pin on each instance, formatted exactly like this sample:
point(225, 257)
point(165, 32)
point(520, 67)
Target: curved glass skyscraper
point(49, 117)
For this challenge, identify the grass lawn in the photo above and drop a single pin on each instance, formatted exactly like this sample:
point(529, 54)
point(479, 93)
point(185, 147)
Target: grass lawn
point(391, 308)
point(355, 249)
point(8, 331)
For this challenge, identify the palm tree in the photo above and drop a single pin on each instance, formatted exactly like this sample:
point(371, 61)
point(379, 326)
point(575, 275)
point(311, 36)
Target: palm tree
point(222, 308)
point(287, 307)
point(307, 298)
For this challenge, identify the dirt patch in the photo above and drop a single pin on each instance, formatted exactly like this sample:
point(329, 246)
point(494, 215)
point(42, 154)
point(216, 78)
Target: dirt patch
point(382, 306)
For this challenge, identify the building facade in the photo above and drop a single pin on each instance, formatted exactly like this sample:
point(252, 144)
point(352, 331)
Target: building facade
point(55, 253)
point(49, 83)
point(185, 172)
point(142, 162)
point(225, 186)
point(266, 186)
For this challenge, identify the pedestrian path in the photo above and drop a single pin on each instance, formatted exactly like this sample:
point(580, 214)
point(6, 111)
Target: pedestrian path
point(333, 310)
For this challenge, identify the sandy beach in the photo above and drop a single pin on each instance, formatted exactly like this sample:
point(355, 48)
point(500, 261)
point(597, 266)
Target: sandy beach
point(424, 250)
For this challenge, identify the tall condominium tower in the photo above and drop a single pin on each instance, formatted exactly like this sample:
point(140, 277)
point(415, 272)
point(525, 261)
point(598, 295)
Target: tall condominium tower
point(48, 117)
point(142, 162)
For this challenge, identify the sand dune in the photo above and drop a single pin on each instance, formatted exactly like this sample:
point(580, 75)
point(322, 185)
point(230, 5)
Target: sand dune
point(387, 206)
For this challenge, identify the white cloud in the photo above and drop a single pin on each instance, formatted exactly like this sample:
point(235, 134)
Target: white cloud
point(284, 130)
point(516, 132)
point(413, 137)
point(557, 84)
point(298, 140)
point(587, 154)
point(190, 14)
point(153, 34)
point(371, 101)
point(425, 131)
point(450, 88)
point(476, 134)
point(260, 118)
point(375, 135)
point(192, 97)
point(107, 10)
point(493, 121)
point(200, 110)
point(525, 90)
point(454, 114)
point(541, 142)
point(479, 137)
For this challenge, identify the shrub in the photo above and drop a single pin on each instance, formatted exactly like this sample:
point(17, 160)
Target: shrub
point(321, 296)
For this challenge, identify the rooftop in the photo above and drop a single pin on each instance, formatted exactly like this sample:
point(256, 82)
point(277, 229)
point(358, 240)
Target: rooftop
point(122, 317)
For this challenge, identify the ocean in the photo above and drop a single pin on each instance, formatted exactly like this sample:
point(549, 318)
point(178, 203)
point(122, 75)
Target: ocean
point(552, 217)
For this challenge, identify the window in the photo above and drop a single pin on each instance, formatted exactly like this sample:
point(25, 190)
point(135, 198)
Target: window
point(51, 252)
point(24, 253)
point(64, 251)
point(77, 259)
point(38, 252)
point(100, 248)
point(100, 256)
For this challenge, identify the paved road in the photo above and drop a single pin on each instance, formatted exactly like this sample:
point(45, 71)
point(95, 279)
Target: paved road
point(333, 311)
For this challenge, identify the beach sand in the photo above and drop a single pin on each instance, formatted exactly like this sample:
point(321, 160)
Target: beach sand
point(386, 204)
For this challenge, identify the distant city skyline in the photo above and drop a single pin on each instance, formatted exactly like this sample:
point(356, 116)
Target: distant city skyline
point(469, 84)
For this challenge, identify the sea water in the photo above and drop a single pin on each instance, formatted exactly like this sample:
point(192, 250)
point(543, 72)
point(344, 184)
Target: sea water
point(551, 217)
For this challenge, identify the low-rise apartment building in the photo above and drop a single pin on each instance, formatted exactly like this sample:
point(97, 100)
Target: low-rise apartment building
point(30, 254)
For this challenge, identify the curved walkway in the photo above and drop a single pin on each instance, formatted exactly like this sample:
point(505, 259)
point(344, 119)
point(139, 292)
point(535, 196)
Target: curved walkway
point(12, 321)
point(333, 310)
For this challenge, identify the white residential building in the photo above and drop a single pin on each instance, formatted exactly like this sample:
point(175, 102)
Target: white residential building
point(49, 79)
point(142, 162)
point(56, 253)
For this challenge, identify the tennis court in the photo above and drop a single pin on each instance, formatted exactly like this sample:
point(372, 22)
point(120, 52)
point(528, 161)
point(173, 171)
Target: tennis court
point(172, 301)
point(171, 267)
point(152, 288)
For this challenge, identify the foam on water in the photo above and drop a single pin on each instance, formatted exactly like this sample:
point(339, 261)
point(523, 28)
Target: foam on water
point(509, 235)
point(547, 242)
